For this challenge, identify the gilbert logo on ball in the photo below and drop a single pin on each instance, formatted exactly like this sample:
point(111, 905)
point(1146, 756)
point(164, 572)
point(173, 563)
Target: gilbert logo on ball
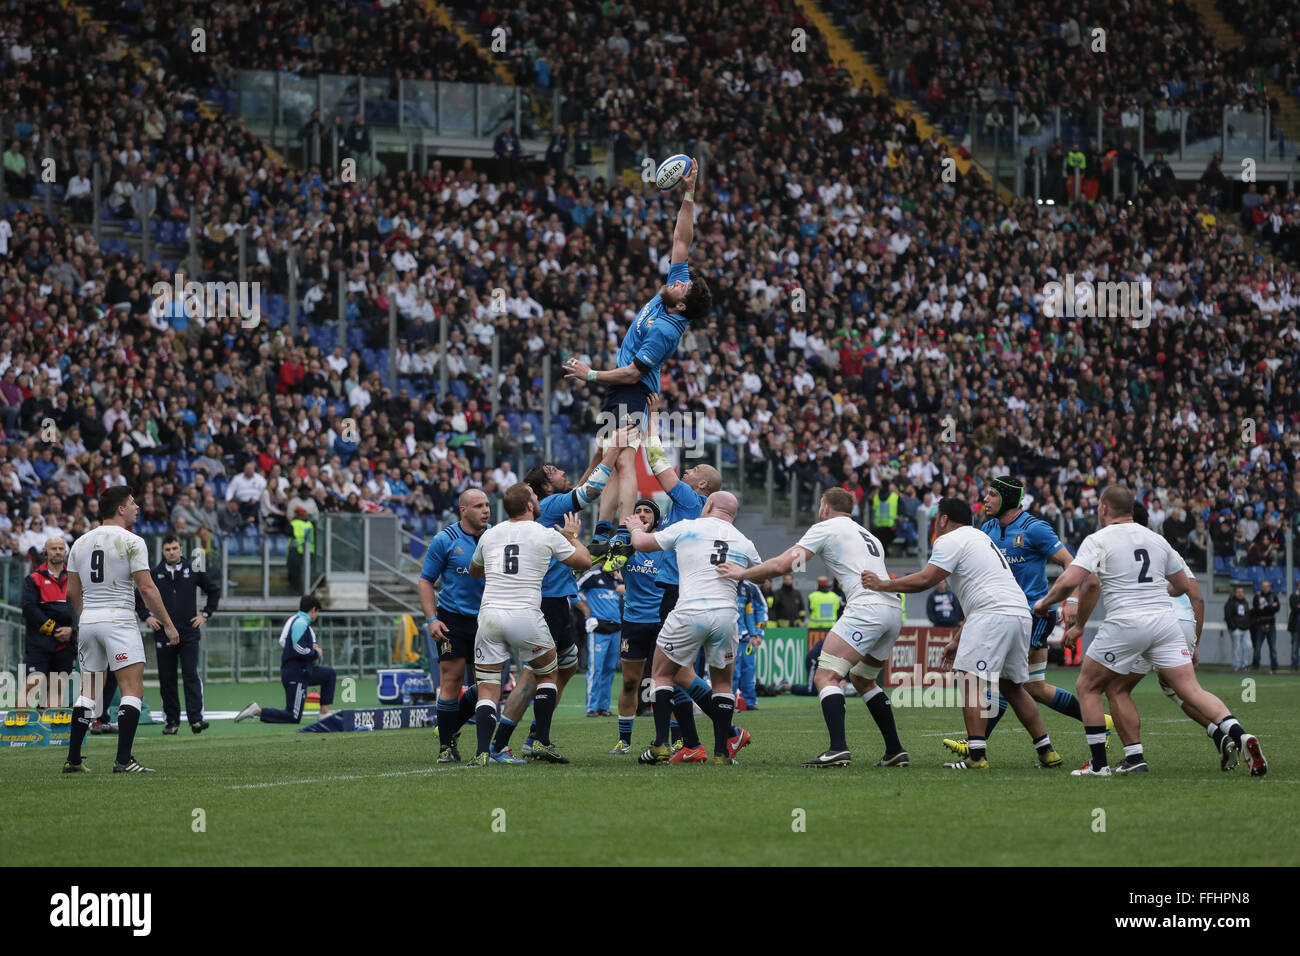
point(671, 171)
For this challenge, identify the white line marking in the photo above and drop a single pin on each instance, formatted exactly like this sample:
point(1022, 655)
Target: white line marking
point(359, 776)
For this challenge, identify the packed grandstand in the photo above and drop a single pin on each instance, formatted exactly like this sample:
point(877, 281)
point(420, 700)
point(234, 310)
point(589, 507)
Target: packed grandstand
point(873, 320)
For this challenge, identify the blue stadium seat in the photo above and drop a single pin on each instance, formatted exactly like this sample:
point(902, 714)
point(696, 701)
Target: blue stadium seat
point(132, 227)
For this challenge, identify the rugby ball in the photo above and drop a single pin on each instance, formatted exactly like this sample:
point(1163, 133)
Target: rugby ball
point(671, 171)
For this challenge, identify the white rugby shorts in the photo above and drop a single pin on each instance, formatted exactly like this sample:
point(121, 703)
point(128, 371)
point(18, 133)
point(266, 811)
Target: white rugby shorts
point(502, 629)
point(109, 645)
point(870, 629)
point(995, 646)
point(1143, 665)
point(685, 631)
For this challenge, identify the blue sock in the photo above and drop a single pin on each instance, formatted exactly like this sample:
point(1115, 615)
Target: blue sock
point(1066, 703)
point(625, 728)
point(674, 731)
point(603, 530)
point(993, 721)
point(621, 536)
point(448, 712)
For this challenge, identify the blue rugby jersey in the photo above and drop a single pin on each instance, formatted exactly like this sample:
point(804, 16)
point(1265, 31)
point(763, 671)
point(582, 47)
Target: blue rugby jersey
point(1028, 543)
point(751, 607)
point(685, 503)
point(653, 336)
point(600, 591)
point(559, 580)
point(642, 596)
point(448, 557)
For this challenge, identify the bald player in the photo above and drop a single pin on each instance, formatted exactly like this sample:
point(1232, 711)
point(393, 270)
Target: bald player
point(704, 618)
point(451, 614)
point(1130, 566)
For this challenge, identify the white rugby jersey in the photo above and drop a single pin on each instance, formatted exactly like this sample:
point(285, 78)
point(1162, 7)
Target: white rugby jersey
point(978, 573)
point(515, 555)
point(701, 545)
point(104, 559)
point(849, 549)
point(1183, 609)
point(1131, 562)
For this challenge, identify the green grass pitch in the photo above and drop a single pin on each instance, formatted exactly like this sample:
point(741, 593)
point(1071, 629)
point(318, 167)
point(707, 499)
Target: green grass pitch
point(271, 796)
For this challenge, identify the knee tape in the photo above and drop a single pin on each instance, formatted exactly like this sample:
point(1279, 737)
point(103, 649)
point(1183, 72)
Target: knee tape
point(1036, 673)
point(564, 660)
point(483, 676)
point(868, 671)
point(1171, 693)
point(135, 702)
point(86, 703)
point(836, 665)
point(547, 669)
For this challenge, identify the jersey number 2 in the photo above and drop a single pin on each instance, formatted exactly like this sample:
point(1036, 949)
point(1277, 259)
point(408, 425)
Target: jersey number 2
point(510, 564)
point(719, 555)
point(1144, 576)
point(97, 566)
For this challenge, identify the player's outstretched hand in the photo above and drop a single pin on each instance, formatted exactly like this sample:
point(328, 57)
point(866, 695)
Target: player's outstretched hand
point(633, 523)
point(691, 174)
point(572, 526)
point(871, 581)
point(949, 655)
point(729, 569)
point(1072, 635)
point(1041, 607)
point(173, 635)
point(576, 368)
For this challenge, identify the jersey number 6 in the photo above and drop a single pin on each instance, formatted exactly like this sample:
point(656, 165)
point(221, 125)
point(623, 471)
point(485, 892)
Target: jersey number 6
point(510, 563)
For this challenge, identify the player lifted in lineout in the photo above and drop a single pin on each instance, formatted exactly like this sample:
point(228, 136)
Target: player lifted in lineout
point(650, 341)
point(859, 642)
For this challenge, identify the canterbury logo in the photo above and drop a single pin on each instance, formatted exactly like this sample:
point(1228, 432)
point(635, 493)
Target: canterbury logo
point(120, 657)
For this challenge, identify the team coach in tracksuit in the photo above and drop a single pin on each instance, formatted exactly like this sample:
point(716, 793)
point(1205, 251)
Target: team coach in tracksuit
point(179, 584)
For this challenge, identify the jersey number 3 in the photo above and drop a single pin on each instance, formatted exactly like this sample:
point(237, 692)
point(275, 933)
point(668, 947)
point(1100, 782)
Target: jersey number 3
point(97, 566)
point(719, 555)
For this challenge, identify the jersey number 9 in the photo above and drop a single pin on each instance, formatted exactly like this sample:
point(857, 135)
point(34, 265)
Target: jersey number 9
point(97, 566)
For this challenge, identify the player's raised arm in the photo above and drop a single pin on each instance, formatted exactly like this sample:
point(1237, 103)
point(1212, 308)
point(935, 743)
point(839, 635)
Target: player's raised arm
point(593, 483)
point(642, 540)
point(626, 375)
point(771, 568)
point(684, 231)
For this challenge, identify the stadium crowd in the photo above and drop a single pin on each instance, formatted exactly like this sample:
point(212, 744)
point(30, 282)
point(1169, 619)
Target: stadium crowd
point(874, 326)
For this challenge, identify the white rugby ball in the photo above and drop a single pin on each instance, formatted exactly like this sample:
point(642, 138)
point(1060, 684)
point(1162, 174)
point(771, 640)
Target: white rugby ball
point(671, 171)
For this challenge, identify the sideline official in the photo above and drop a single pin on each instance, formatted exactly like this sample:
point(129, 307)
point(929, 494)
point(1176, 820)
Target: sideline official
point(179, 584)
point(50, 646)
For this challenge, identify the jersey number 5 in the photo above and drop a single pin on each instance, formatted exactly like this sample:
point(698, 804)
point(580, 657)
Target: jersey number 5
point(719, 555)
point(510, 564)
point(871, 545)
point(97, 566)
